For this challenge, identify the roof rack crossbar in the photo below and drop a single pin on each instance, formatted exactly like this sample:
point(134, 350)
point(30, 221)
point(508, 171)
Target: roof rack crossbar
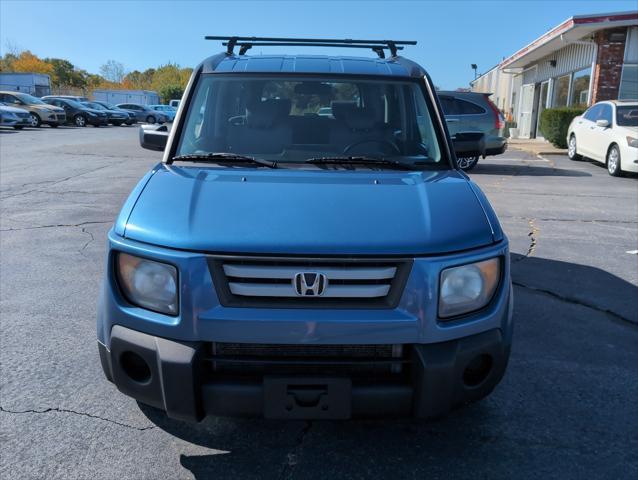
point(245, 43)
point(378, 49)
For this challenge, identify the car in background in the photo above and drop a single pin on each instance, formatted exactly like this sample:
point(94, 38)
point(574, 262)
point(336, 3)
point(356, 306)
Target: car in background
point(115, 117)
point(167, 110)
point(174, 103)
point(78, 114)
point(132, 117)
point(144, 113)
point(607, 132)
point(470, 113)
point(77, 98)
point(39, 111)
point(7, 119)
point(14, 117)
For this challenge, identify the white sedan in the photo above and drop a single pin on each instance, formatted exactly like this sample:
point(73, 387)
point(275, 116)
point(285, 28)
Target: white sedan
point(607, 132)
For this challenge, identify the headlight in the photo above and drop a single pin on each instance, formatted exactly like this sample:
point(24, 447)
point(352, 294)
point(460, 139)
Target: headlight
point(147, 284)
point(468, 287)
point(633, 142)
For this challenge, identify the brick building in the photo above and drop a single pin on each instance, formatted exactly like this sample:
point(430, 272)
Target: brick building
point(585, 59)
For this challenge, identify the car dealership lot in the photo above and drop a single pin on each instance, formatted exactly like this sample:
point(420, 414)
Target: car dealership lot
point(566, 406)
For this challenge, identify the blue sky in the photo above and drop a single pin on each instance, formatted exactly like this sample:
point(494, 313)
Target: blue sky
point(141, 34)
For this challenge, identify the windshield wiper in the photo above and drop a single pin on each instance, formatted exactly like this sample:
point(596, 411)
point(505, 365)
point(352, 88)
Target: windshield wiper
point(360, 160)
point(224, 157)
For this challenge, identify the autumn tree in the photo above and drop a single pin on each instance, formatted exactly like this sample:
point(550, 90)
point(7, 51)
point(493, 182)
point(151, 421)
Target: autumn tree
point(28, 62)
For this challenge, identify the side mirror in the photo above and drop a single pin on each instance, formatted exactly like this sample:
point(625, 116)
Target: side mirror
point(469, 144)
point(153, 137)
point(602, 123)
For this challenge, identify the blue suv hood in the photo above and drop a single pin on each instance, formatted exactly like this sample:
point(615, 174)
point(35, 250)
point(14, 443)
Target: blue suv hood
point(308, 212)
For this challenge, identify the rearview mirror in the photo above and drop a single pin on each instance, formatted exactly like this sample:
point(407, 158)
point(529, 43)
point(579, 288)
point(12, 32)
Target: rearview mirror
point(602, 123)
point(153, 137)
point(469, 144)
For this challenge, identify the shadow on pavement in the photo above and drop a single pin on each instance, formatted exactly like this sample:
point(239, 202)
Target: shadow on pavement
point(579, 284)
point(554, 401)
point(525, 171)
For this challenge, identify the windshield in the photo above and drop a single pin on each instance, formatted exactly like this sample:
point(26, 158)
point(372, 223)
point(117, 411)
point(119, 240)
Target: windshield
point(74, 104)
point(95, 106)
point(28, 99)
point(627, 115)
point(294, 119)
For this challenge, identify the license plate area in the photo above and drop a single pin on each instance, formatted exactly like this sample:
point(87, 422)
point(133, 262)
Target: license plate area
point(307, 398)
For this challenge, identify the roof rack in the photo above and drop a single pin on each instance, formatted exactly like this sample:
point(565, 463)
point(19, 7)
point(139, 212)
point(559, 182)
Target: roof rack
point(246, 43)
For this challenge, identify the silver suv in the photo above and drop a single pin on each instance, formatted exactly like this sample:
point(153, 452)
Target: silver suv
point(474, 112)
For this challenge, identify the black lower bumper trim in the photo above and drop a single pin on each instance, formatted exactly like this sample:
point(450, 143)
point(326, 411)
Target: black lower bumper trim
point(174, 381)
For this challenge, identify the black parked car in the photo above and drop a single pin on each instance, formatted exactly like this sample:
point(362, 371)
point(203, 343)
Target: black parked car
point(78, 114)
point(132, 118)
point(144, 113)
point(115, 117)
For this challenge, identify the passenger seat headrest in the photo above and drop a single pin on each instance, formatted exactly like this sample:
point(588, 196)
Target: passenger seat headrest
point(355, 118)
point(262, 114)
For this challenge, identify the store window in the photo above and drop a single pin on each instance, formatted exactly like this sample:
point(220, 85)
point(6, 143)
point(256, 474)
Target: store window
point(561, 91)
point(580, 88)
point(629, 76)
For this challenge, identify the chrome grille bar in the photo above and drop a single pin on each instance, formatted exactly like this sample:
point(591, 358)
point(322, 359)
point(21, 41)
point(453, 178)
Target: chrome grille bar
point(288, 272)
point(287, 290)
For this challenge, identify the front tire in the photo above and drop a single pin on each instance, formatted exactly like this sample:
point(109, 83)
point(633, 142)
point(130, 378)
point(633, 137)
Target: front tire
point(150, 119)
point(467, 163)
point(34, 120)
point(79, 121)
point(571, 149)
point(613, 161)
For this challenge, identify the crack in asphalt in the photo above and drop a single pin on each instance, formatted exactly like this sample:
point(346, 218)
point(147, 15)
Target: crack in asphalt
point(73, 412)
point(533, 240)
point(576, 301)
point(84, 230)
point(58, 225)
point(53, 182)
point(292, 457)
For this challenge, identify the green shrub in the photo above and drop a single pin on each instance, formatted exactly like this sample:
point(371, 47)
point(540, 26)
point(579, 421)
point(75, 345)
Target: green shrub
point(555, 122)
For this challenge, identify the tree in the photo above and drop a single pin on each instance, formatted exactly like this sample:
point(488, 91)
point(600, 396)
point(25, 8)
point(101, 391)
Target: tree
point(112, 71)
point(170, 81)
point(28, 62)
point(170, 91)
point(140, 80)
point(65, 74)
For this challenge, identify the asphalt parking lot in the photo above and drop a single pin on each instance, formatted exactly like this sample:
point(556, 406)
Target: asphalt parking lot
point(566, 407)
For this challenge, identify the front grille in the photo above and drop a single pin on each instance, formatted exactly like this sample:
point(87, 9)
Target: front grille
point(302, 350)
point(61, 116)
point(356, 361)
point(299, 282)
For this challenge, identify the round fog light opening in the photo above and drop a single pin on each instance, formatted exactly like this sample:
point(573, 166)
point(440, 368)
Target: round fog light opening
point(135, 367)
point(477, 370)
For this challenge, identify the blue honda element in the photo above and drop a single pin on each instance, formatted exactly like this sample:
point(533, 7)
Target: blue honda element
point(307, 248)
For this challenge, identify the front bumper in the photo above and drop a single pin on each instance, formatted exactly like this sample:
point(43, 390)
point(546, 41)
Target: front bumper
point(97, 120)
point(54, 119)
point(172, 376)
